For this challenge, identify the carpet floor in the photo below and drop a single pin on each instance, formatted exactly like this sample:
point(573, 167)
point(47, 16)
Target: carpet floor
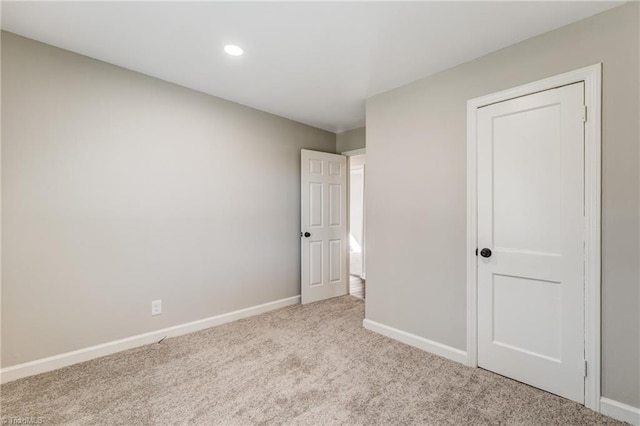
point(301, 365)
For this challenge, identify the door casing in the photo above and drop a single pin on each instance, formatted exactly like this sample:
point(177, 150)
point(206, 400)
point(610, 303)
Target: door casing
point(592, 78)
point(349, 154)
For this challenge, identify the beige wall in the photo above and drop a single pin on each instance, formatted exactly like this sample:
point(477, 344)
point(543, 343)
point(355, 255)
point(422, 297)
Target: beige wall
point(350, 140)
point(118, 189)
point(416, 188)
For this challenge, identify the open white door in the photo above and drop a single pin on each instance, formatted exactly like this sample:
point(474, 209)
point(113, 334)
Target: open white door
point(531, 231)
point(324, 228)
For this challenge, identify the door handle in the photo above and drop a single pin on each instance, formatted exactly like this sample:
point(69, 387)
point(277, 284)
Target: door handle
point(306, 234)
point(485, 252)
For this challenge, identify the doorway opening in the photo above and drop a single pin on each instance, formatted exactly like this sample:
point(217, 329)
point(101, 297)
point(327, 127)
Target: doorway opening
point(357, 218)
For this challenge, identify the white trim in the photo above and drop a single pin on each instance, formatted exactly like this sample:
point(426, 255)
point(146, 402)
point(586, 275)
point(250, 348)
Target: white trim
point(592, 202)
point(620, 411)
point(472, 240)
point(353, 152)
point(592, 78)
point(58, 361)
point(427, 345)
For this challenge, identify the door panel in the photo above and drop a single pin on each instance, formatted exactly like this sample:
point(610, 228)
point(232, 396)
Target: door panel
point(335, 205)
point(315, 205)
point(324, 212)
point(531, 216)
point(535, 305)
point(526, 168)
point(316, 262)
point(335, 262)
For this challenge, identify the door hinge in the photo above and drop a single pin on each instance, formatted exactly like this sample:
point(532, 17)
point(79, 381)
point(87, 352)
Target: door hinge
point(584, 113)
point(585, 368)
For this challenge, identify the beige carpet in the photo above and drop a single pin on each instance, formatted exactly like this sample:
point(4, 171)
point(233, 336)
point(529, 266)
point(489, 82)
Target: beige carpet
point(311, 364)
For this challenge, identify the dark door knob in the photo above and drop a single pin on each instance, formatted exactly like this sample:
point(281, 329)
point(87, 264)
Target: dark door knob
point(307, 234)
point(485, 252)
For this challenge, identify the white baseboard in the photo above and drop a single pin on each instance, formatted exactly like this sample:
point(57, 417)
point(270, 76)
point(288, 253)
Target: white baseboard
point(417, 341)
point(620, 411)
point(58, 361)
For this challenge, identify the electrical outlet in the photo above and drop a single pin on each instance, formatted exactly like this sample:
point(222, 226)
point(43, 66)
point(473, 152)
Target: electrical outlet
point(156, 307)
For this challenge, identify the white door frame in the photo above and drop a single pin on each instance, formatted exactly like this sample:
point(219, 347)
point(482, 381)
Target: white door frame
point(349, 154)
point(592, 78)
point(353, 152)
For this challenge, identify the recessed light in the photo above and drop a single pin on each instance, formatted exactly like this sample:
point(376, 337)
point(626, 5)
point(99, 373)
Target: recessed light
point(233, 50)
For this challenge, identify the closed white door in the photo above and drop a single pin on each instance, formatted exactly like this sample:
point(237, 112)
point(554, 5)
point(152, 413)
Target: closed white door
point(530, 238)
point(324, 229)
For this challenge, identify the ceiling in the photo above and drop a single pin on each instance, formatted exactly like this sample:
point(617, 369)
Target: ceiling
point(315, 63)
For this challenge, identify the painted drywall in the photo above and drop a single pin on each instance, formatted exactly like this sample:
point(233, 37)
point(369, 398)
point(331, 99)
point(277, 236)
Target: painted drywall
point(350, 140)
point(416, 188)
point(119, 189)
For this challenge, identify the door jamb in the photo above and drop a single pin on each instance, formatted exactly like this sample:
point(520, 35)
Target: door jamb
point(592, 78)
point(349, 154)
point(353, 152)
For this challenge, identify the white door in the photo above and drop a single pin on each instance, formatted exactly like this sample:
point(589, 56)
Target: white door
point(324, 229)
point(530, 240)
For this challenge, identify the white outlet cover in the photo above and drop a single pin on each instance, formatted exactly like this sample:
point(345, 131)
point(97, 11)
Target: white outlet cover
point(156, 307)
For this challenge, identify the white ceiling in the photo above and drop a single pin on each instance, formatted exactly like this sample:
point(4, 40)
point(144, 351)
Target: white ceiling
point(311, 62)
